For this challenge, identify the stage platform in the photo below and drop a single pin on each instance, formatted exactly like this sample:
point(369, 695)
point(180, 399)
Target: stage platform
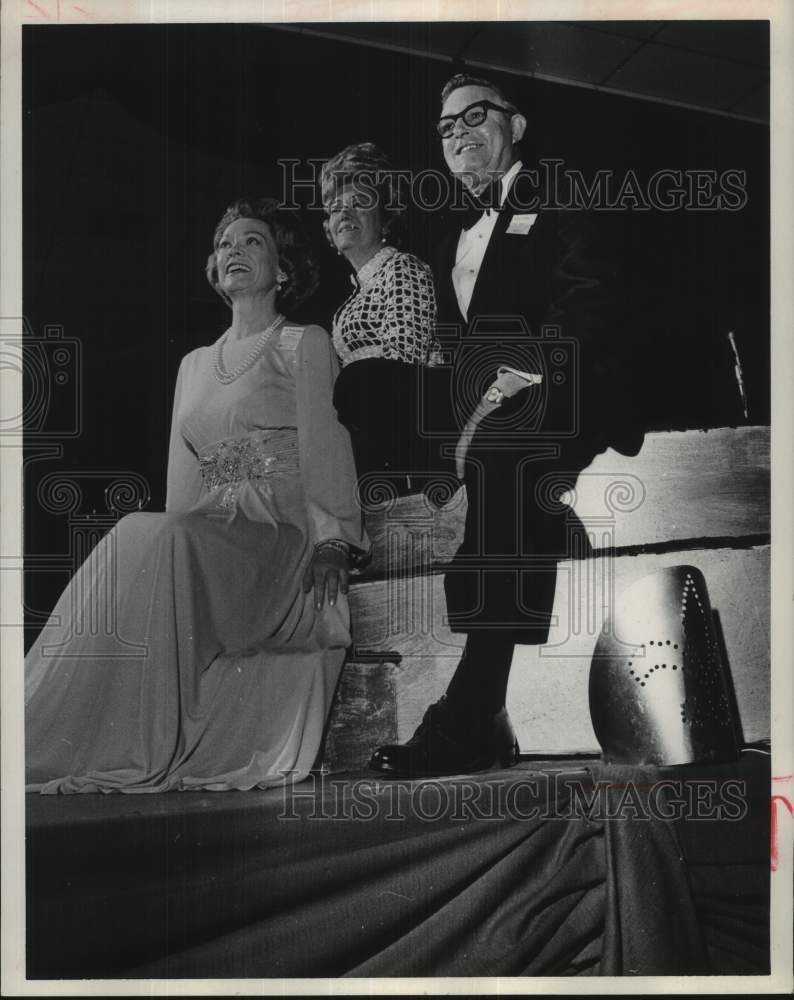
point(555, 867)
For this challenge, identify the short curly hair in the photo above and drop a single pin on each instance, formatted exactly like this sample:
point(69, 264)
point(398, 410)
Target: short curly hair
point(295, 255)
point(364, 161)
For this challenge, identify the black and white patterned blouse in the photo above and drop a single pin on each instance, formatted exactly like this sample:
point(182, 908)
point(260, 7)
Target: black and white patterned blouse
point(392, 312)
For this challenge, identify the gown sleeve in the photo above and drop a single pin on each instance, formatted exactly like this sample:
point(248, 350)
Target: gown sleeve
point(184, 482)
point(325, 451)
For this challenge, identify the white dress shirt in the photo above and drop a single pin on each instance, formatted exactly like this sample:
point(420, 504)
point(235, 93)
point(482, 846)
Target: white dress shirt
point(472, 245)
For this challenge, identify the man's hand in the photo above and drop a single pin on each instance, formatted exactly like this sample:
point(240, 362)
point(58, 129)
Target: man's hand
point(329, 570)
point(509, 382)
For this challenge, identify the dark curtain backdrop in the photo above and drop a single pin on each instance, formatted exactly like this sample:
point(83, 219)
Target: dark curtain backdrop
point(137, 137)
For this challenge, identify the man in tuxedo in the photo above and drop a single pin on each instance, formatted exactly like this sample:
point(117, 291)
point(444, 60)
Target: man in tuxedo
point(519, 284)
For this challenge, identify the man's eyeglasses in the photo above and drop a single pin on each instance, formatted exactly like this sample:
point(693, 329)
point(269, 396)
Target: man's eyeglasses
point(475, 114)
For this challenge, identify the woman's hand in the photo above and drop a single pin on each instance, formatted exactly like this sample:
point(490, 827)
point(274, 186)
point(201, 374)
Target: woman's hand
point(329, 569)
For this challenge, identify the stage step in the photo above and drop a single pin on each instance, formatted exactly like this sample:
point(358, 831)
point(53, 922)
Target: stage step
point(404, 654)
point(696, 498)
point(682, 485)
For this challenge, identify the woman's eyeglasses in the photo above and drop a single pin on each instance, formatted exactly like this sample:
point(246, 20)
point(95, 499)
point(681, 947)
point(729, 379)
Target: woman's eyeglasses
point(473, 115)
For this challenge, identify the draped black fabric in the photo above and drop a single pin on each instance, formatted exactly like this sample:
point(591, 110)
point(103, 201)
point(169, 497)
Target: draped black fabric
point(501, 874)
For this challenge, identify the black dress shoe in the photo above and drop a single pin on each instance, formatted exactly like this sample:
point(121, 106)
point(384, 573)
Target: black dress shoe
point(438, 747)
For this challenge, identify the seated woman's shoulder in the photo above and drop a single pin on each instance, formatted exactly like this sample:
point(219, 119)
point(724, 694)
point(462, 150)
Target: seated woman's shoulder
point(196, 355)
point(313, 331)
point(305, 337)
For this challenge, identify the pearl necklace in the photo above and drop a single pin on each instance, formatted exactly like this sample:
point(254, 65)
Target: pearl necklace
point(227, 377)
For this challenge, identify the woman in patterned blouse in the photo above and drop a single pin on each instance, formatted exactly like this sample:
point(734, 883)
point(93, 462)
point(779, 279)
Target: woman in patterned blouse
point(385, 329)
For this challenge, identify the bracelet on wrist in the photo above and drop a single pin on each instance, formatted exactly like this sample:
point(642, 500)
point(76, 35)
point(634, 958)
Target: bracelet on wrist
point(333, 543)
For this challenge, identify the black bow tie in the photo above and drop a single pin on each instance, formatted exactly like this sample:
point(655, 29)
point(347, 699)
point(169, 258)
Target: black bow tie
point(476, 204)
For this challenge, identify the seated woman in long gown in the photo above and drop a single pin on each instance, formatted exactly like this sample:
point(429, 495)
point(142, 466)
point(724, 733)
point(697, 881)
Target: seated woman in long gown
point(230, 621)
point(386, 328)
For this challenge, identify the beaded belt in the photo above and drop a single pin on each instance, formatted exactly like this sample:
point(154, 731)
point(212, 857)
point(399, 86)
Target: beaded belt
point(252, 457)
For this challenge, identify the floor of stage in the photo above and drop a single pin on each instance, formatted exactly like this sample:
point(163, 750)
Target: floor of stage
point(351, 875)
point(43, 811)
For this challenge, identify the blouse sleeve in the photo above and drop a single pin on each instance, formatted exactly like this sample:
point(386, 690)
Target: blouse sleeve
point(184, 481)
point(324, 448)
point(411, 315)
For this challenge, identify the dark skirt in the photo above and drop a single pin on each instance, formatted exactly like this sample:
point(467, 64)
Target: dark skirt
point(380, 403)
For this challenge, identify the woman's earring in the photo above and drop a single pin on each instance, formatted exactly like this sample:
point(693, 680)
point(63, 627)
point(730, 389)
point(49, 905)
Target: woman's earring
point(280, 278)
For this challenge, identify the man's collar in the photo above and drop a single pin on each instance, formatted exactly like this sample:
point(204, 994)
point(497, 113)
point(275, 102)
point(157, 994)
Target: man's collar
point(487, 193)
point(485, 201)
point(507, 180)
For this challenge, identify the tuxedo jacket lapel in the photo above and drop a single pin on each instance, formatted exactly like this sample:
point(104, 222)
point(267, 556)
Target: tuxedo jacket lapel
point(490, 277)
point(506, 277)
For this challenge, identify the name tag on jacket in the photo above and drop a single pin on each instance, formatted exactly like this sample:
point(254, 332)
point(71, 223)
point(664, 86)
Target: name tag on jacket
point(520, 225)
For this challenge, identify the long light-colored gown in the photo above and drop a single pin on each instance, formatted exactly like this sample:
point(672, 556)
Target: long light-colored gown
point(184, 653)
